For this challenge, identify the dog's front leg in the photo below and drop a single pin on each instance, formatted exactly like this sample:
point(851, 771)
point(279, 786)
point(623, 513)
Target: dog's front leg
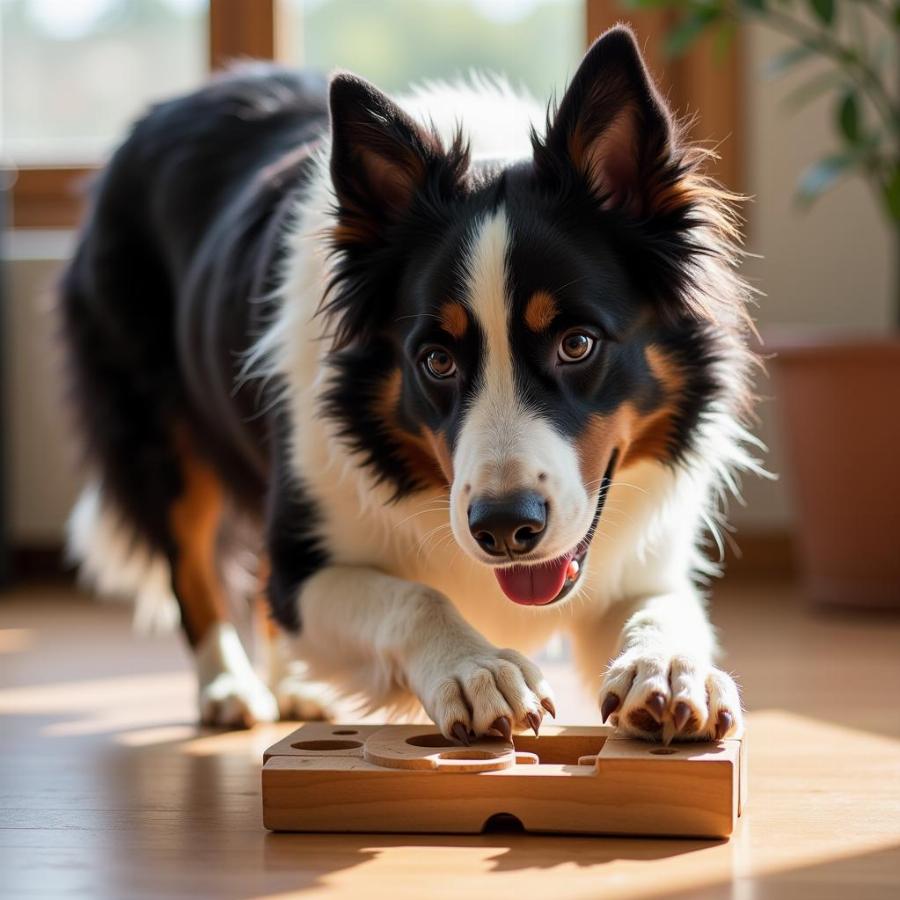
point(661, 683)
point(399, 635)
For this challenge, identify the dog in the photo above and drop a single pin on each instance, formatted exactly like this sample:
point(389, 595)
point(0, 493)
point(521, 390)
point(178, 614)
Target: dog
point(457, 371)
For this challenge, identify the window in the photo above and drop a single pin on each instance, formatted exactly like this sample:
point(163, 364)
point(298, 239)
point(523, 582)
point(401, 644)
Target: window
point(74, 73)
point(536, 43)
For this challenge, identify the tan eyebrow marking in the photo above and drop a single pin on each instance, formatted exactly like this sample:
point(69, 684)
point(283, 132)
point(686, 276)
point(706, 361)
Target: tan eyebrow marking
point(664, 370)
point(454, 318)
point(540, 311)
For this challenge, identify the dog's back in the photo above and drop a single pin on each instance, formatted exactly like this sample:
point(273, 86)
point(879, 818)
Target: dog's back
point(159, 304)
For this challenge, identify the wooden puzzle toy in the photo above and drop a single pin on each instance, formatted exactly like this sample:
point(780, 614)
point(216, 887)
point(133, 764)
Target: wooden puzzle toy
point(409, 778)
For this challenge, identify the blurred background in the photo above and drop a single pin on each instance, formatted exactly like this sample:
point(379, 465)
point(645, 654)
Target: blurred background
point(74, 73)
point(108, 787)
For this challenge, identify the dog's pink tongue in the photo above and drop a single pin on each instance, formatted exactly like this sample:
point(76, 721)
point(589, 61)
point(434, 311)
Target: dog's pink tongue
point(533, 585)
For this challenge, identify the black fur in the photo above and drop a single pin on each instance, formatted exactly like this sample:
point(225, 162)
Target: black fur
point(610, 241)
point(181, 252)
point(171, 282)
point(295, 551)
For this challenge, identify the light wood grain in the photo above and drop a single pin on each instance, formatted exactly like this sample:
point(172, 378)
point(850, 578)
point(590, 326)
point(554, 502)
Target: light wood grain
point(107, 790)
point(410, 779)
point(421, 748)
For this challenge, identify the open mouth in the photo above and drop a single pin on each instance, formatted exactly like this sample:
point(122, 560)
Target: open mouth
point(543, 583)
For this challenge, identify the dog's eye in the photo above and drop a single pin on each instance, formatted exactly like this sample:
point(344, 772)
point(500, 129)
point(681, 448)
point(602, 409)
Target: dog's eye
point(575, 346)
point(439, 363)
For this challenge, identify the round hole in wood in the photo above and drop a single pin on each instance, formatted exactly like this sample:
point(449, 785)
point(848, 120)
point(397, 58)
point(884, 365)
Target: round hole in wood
point(469, 754)
point(326, 745)
point(664, 751)
point(503, 823)
point(430, 740)
point(345, 731)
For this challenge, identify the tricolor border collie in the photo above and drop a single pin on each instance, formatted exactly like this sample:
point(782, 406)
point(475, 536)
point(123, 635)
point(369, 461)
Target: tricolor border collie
point(458, 373)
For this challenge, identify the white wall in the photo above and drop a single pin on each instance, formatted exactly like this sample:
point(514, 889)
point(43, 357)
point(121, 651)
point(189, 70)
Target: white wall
point(832, 265)
point(40, 456)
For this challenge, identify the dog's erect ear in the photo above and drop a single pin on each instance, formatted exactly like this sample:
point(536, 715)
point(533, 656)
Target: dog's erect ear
point(379, 158)
point(611, 126)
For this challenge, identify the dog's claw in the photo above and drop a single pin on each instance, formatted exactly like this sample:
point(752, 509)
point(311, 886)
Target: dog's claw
point(503, 726)
point(656, 703)
point(460, 733)
point(681, 716)
point(547, 703)
point(610, 705)
point(534, 720)
point(724, 722)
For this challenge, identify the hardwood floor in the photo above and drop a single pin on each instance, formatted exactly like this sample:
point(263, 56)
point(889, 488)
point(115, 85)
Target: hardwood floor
point(107, 789)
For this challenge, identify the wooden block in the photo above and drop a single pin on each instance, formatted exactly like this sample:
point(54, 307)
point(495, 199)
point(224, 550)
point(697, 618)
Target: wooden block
point(659, 788)
point(343, 740)
point(403, 778)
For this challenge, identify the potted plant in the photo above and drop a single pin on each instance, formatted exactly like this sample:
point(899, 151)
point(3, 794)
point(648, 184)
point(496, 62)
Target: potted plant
point(839, 395)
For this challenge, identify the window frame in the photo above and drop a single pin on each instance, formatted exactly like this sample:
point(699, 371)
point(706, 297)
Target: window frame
point(52, 196)
point(695, 83)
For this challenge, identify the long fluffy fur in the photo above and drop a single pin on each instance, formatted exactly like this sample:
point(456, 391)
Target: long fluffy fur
point(292, 288)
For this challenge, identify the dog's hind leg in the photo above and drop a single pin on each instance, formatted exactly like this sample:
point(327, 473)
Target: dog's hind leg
point(149, 520)
point(230, 691)
point(298, 697)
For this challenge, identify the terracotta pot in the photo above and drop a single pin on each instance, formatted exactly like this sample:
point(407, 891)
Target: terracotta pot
point(840, 414)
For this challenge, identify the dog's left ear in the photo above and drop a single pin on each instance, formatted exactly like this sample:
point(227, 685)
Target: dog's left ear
point(611, 126)
point(380, 158)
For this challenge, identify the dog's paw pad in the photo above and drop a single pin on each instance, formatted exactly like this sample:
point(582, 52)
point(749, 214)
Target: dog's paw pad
point(234, 701)
point(670, 698)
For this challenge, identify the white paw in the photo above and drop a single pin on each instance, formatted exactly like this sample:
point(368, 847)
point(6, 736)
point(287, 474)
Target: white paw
point(236, 701)
point(301, 700)
point(662, 697)
point(487, 690)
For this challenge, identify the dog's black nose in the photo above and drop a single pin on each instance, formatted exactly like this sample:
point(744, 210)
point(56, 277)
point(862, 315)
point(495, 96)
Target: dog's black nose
point(512, 524)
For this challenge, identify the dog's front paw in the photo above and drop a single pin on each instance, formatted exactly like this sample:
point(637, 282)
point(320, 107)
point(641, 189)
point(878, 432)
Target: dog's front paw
point(232, 700)
point(487, 691)
point(661, 697)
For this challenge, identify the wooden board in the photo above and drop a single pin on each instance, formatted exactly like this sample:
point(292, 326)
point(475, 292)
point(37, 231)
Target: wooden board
point(408, 778)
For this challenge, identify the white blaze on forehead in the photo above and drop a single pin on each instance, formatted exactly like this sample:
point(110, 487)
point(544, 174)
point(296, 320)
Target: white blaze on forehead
point(486, 278)
point(503, 446)
point(489, 449)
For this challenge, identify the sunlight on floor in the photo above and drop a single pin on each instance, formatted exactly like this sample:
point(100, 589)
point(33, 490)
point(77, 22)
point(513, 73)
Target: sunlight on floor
point(109, 775)
point(16, 640)
point(787, 751)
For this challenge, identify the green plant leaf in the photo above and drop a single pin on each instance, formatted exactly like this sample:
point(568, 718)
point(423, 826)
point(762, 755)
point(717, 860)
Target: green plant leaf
point(848, 118)
point(822, 176)
point(654, 4)
point(820, 83)
point(680, 38)
point(780, 63)
point(824, 10)
point(724, 40)
point(754, 5)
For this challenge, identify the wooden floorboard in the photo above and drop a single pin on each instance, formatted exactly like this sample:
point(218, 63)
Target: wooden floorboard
point(107, 789)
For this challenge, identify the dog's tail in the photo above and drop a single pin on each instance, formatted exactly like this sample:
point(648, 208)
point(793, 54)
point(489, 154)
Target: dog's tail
point(117, 564)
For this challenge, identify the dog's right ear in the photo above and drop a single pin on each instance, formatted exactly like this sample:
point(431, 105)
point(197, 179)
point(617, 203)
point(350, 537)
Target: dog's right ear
point(612, 128)
point(380, 158)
